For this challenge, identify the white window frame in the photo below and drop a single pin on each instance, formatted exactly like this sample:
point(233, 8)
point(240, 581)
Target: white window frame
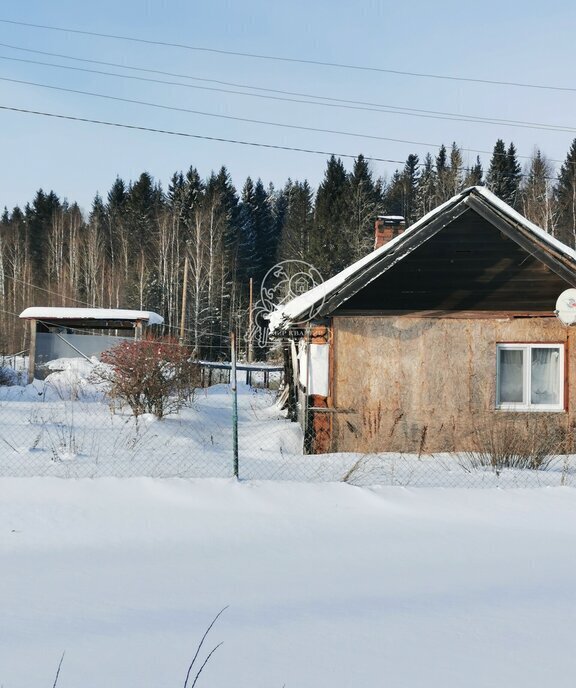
point(526, 404)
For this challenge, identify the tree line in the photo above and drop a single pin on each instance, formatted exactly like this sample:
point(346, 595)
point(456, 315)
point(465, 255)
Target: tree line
point(131, 249)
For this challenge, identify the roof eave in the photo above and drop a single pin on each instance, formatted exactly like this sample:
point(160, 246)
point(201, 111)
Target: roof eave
point(552, 253)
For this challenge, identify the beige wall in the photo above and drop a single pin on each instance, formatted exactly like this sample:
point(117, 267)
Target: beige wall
point(425, 384)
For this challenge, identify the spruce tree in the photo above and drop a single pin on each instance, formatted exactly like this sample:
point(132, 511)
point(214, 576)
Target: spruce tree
point(504, 173)
point(265, 230)
point(410, 179)
point(297, 229)
point(513, 177)
point(247, 251)
point(474, 174)
point(279, 207)
point(566, 198)
point(497, 171)
point(38, 220)
point(98, 209)
point(442, 174)
point(365, 202)
point(117, 196)
point(401, 195)
point(330, 242)
point(394, 195)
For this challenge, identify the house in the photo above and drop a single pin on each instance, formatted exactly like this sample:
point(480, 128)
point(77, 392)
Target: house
point(445, 328)
point(80, 332)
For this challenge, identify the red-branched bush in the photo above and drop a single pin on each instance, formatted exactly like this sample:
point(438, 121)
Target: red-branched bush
point(151, 376)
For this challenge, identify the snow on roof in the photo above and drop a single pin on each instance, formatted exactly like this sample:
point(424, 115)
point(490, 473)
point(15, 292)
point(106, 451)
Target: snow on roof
point(530, 226)
point(49, 313)
point(292, 310)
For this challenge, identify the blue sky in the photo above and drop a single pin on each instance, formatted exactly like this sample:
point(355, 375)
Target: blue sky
point(510, 41)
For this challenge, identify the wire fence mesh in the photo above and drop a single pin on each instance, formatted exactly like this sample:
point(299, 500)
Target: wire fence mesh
point(68, 425)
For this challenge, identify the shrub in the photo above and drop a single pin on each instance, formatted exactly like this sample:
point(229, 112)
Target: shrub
point(531, 441)
point(8, 376)
point(152, 375)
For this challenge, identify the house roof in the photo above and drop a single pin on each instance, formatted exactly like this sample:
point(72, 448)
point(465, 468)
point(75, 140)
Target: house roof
point(326, 297)
point(98, 314)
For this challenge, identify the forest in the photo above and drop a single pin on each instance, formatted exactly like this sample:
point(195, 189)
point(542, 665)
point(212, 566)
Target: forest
point(130, 250)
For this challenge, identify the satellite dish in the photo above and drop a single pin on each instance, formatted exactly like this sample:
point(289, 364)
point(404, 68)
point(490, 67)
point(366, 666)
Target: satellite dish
point(566, 307)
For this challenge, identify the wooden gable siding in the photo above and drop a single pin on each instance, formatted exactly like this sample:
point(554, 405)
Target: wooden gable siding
point(416, 384)
point(468, 266)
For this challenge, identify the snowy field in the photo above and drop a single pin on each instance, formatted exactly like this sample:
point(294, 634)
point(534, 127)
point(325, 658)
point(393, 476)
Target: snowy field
point(64, 426)
point(327, 584)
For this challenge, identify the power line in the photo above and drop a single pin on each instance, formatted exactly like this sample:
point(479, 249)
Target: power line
point(293, 60)
point(85, 303)
point(208, 138)
point(202, 333)
point(254, 144)
point(208, 114)
point(213, 89)
point(47, 291)
point(368, 106)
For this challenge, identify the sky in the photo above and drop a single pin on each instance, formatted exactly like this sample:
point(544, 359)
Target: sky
point(522, 42)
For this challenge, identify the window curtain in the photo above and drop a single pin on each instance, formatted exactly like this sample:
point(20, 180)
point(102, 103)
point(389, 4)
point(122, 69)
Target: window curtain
point(511, 379)
point(545, 376)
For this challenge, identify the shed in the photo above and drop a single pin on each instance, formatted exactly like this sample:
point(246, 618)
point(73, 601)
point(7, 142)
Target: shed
point(446, 328)
point(80, 332)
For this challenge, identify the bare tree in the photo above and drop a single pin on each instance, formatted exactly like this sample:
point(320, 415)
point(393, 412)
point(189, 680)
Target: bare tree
point(536, 193)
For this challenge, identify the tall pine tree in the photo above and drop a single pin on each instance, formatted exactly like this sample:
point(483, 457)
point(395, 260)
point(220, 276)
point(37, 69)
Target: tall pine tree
point(566, 198)
point(330, 242)
point(504, 174)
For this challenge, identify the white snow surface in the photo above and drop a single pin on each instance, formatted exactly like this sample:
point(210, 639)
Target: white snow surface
point(57, 313)
point(65, 426)
point(327, 585)
point(304, 303)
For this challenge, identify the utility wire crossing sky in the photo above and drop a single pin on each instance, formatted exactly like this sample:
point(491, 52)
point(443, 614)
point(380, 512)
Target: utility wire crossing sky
point(303, 82)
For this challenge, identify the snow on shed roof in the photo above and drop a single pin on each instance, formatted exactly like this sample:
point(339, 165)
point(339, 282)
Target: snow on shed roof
point(49, 313)
point(298, 308)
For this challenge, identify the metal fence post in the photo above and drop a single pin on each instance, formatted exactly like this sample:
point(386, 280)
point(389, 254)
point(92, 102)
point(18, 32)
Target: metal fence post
point(234, 387)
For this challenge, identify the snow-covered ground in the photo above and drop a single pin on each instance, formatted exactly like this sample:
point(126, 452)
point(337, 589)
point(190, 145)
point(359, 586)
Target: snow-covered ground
point(327, 584)
point(64, 426)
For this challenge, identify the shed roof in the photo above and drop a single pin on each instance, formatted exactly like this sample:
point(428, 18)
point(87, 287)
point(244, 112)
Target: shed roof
point(326, 297)
point(91, 314)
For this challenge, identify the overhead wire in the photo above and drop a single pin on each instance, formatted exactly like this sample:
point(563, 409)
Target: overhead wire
point(88, 305)
point(293, 60)
point(202, 113)
point(214, 89)
point(338, 102)
point(203, 333)
point(207, 138)
point(254, 144)
point(345, 103)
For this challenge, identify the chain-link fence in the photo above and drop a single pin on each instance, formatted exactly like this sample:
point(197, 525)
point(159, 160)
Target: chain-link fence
point(69, 425)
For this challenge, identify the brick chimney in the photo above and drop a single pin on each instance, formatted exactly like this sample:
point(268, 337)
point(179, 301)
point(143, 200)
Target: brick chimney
point(387, 228)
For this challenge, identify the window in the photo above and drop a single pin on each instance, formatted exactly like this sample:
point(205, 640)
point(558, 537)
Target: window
point(530, 377)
